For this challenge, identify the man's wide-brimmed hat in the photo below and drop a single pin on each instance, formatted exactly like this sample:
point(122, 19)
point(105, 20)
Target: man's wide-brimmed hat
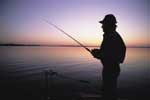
point(109, 19)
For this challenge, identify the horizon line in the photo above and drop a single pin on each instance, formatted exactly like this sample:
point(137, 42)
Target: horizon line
point(61, 45)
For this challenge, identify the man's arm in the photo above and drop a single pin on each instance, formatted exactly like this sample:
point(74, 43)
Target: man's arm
point(97, 53)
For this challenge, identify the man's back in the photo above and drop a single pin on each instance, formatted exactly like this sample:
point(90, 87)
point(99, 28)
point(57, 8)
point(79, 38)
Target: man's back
point(113, 48)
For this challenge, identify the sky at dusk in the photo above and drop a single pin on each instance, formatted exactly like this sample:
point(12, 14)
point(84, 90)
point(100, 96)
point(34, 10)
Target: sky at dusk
point(22, 21)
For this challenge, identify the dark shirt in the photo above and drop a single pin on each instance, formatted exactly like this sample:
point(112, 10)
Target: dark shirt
point(112, 48)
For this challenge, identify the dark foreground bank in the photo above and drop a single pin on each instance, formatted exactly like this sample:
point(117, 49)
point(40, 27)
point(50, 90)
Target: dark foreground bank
point(62, 89)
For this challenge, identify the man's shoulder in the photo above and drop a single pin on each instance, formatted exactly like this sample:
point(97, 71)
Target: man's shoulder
point(117, 36)
point(114, 35)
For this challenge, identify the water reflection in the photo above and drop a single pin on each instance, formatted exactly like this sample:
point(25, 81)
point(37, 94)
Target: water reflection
point(71, 60)
point(137, 55)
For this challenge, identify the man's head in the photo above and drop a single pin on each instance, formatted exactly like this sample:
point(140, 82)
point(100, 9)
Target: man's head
point(109, 23)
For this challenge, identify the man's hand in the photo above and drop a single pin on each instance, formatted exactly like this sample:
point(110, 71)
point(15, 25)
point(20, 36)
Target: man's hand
point(96, 53)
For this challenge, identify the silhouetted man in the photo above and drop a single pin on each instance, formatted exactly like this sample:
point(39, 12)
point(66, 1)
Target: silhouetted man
point(111, 54)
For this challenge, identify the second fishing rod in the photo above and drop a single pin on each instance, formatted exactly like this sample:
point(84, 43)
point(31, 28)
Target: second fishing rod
point(68, 35)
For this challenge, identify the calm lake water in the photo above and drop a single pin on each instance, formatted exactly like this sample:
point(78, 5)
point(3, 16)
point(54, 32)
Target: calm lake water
point(27, 63)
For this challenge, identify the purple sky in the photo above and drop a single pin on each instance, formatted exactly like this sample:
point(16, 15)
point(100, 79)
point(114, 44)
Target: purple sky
point(22, 20)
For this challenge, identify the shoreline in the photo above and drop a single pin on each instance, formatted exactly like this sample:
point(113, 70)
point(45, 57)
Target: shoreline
point(39, 45)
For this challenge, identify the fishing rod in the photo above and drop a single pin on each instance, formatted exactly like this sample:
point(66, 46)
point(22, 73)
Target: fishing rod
point(68, 35)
